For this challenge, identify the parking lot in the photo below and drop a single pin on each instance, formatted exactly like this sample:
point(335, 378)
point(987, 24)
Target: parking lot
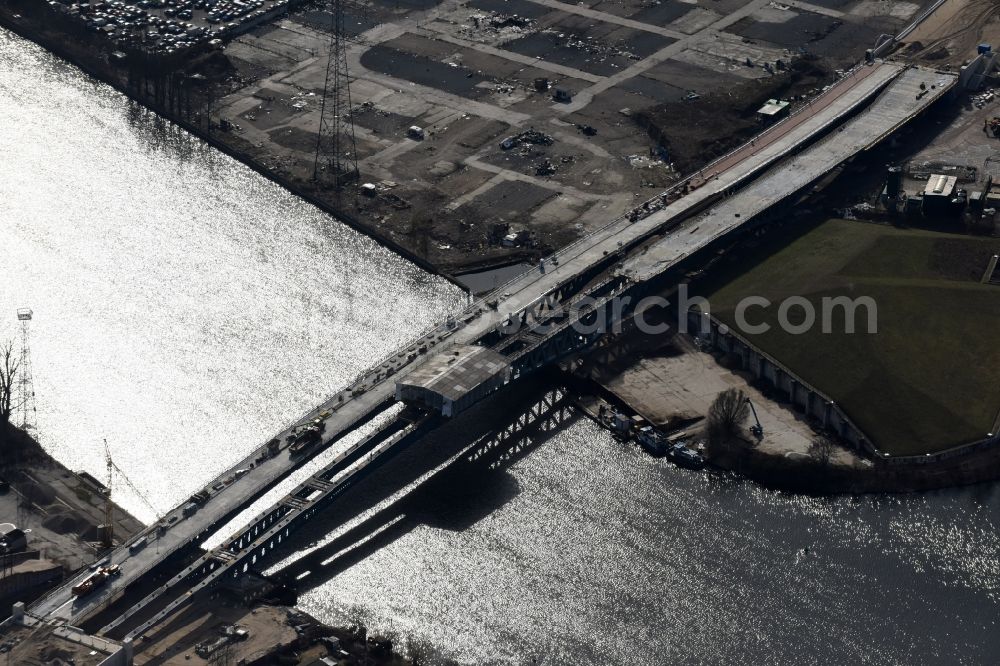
point(169, 27)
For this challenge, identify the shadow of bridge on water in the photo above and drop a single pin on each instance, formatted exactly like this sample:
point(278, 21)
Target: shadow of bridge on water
point(450, 479)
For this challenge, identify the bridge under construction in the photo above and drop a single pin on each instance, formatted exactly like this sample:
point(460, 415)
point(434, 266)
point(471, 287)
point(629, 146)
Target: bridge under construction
point(530, 322)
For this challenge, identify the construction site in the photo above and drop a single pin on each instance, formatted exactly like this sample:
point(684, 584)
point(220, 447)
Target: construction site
point(488, 133)
point(480, 138)
point(525, 125)
point(920, 238)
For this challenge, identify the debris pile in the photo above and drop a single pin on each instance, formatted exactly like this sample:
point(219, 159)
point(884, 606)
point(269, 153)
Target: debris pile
point(600, 50)
point(499, 23)
point(533, 137)
point(546, 168)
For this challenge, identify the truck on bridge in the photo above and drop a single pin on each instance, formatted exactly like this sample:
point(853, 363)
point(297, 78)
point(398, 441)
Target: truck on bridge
point(307, 435)
point(95, 580)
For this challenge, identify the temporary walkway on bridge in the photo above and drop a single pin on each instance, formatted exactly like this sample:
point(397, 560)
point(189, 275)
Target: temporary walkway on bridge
point(271, 527)
point(908, 95)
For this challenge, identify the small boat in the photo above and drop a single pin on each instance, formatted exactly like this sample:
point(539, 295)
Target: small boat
point(684, 456)
point(651, 440)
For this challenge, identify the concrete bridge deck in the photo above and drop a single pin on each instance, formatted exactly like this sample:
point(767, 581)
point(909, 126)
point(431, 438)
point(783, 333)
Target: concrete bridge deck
point(235, 489)
point(271, 527)
point(900, 102)
point(839, 101)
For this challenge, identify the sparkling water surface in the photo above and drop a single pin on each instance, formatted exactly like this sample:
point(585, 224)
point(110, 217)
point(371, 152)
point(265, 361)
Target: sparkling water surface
point(185, 308)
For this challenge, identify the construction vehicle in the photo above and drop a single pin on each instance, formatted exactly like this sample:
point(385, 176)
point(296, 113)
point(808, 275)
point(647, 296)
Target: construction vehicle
point(757, 430)
point(993, 126)
point(307, 435)
point(107, 530)
point(95, 580)
point(138, 544)
point(305, 438)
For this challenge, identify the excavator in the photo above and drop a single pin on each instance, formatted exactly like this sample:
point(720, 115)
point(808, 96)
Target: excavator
point(757, 430)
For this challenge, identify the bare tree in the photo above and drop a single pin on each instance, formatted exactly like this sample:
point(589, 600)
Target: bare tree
point(9, 363)
point(727, 415)
point(822, 449)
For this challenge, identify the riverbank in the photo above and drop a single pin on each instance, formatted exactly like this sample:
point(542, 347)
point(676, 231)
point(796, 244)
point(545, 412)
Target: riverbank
point(496, 173)
point(95, 58)
point(671, 382)
point(271, 633)
point(59, 511)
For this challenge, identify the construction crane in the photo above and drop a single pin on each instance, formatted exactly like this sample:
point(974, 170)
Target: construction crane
point(108, 531)
point(757, 430)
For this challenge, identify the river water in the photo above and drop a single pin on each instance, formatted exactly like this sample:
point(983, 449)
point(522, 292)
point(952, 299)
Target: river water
point(185, 308)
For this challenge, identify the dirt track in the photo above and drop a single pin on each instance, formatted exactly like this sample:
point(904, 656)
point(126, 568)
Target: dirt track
point(950, 35)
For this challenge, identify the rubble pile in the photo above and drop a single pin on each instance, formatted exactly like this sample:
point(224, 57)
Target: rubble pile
point(594, 47)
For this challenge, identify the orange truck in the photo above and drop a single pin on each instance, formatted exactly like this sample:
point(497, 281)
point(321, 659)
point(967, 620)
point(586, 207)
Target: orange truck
point(95, 580)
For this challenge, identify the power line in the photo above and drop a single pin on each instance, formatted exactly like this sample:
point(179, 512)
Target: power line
point(336, 158)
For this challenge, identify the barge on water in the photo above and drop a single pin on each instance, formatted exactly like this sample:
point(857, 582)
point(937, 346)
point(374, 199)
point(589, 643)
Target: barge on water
point(676, 446)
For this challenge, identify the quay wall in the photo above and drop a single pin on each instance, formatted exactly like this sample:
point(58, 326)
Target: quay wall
point(814, 403)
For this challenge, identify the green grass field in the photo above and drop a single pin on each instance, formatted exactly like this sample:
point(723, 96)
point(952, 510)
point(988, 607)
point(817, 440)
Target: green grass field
point(927, 380)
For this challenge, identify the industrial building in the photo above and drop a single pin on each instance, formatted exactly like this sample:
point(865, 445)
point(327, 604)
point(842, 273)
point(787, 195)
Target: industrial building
point(939, 195)
point(455, 380)
point(27, 637)
point(774, 109)
point(12, 539)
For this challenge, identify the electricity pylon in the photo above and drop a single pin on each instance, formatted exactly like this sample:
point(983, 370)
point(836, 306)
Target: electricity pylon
point(336, 161)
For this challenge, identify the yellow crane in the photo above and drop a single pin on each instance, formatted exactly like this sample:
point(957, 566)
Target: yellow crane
point(108, 529)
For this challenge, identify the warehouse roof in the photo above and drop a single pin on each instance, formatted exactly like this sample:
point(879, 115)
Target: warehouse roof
point(773, 107)
point(940, 186)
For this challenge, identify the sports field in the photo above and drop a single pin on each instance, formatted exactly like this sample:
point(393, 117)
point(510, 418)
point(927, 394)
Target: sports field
point(928, 378)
